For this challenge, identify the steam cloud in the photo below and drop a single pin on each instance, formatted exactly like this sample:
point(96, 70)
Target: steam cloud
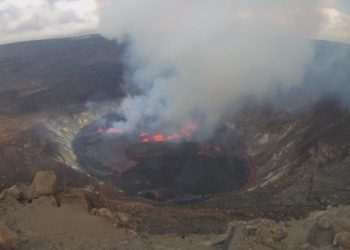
point(193, 58)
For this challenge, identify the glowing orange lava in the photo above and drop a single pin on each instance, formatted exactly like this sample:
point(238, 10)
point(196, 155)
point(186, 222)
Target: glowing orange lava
point(186, 132)
point(189, 129)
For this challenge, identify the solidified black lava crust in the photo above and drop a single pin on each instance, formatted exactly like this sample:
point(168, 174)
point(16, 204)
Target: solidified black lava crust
point(163, 170)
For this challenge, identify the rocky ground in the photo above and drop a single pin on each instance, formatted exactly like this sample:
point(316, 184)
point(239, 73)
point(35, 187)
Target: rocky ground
point(43, 216)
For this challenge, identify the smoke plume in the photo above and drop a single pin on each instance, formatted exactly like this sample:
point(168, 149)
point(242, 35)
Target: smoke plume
point(191, 59)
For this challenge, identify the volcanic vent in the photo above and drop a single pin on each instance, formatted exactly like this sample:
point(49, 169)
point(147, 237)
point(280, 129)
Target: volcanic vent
point(163, 166)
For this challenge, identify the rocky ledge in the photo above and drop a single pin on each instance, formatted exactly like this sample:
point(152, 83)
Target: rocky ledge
point(21, 204)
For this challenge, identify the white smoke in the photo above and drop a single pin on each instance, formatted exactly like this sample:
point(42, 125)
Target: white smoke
point(193, 58)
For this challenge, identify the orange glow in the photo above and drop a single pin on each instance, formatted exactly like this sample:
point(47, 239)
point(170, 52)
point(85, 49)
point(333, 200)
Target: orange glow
point(158, 138)
point(186, 132)
point(189, 129)
point(145, 140)
point(217, 149)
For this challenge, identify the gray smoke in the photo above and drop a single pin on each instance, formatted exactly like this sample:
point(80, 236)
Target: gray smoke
point(193, 58)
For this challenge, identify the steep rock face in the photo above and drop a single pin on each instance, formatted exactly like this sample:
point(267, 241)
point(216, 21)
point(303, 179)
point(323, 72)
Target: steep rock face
point(29, 151)
point(48, 90)
point(302, 158)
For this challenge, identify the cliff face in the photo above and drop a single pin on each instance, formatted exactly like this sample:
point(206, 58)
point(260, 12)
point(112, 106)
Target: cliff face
point(302, 159)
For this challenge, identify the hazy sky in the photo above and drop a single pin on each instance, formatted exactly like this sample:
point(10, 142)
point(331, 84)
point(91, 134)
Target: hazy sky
point(35, 19)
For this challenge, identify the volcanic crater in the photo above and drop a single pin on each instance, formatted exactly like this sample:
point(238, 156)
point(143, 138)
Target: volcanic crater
point(176, 167)
point(302, 153)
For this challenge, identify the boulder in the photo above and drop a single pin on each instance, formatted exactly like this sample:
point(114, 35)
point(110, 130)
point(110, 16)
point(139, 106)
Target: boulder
point(92, 198)
point(236, 239)
point(45, 183)
point(8, 238)
point(107, 213)
point(14, 191)
point(320, 235)
point(257, 234)
point(269, 232)
point(122, 219)
point(94, 211)
point(342, 239)
point(11, 202)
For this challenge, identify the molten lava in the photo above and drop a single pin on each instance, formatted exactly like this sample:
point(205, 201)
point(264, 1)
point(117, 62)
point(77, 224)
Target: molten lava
point(189, 129)
point(186, 132)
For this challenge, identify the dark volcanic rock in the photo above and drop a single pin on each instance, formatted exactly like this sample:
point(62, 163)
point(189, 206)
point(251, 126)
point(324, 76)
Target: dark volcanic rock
point(184, 171)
